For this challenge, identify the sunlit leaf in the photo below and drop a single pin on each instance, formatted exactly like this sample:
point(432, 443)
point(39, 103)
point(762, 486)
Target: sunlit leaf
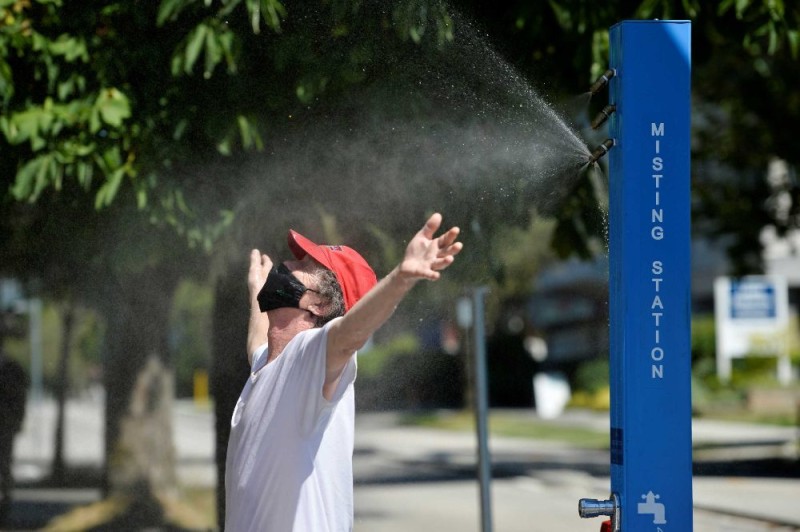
point(224, 146)
point(113, 106)
point(741, 7)
point(194, 46)
point(84, 173)
point(6, 81)
point(213, 53)
point(273, 12)
point(108, 190)
point(254, 8)
point(724, 6)
point(170, 9)
point(34, 176)
point(794, 42)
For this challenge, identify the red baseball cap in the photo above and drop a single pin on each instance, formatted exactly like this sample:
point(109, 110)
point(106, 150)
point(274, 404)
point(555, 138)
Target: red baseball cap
point(353, 273)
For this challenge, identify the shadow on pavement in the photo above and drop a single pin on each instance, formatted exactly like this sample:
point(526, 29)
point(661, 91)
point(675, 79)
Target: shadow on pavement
point(754, 467)
point(35, 503)
point(443, 466)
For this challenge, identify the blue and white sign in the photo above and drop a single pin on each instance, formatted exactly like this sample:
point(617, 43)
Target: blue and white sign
point(753, 299)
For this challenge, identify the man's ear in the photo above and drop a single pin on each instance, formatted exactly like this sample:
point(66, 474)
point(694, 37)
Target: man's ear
point(317, 309)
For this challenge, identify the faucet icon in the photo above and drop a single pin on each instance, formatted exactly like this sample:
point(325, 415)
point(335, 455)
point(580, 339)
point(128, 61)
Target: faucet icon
point(650, 506)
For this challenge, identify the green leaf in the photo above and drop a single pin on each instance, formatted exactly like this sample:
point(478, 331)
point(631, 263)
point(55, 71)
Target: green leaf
point(24, 126)
point(724, 6)
point(35, 176)
point(773, 39)
point(71, 48)
point(741, 7)
point(94, 119)
point(6, 81)
point(273, 12)
point(180, 127)
point(691, 8)
point(249, 134)
point(213, 53)
point(85, 170)
point(254, 8)
point(177, 64)
point(113, 106)
point(794, 42)
point(38, 142)
point(110, 160)
point(170, 9)
point(193, 46)
point(23, 185)
point(244, 131)
point(563, 15)
point(107, 192)
point(226, 44)
point(647, 9)
point(224, 146)
point(776, 9)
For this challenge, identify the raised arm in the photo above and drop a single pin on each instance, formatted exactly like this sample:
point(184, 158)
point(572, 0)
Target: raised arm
point(258, 326)
point(425, 257)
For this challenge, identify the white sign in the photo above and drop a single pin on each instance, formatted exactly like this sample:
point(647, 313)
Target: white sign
point(752, 318)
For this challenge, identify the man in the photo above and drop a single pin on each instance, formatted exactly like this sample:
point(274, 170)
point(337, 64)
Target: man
point(289, 462)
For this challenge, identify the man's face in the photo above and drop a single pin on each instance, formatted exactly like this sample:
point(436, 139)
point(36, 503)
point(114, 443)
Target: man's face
point(303, 270)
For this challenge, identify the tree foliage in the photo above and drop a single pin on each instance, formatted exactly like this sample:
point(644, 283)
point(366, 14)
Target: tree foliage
point(123, 95)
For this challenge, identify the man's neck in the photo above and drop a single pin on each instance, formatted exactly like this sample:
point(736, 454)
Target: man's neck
point(285, 324)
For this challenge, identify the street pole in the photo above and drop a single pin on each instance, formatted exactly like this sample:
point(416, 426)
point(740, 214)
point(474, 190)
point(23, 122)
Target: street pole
point(482, 408)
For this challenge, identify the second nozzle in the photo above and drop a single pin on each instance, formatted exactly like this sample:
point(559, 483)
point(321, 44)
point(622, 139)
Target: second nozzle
point(604, 115)
point(601, 150)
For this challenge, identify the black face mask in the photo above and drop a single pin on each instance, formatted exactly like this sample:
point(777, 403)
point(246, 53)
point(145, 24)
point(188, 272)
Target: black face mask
point(282, 290)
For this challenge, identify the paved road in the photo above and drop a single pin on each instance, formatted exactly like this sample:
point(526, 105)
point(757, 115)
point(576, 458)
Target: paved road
point(424, 480)
point(419, 479)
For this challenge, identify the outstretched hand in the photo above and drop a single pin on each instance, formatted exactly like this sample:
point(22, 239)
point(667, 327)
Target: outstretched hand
point(427, 255)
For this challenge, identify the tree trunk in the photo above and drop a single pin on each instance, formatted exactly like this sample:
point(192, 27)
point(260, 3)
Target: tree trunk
point(140, 456)
point(230, 369)
point(62, 383)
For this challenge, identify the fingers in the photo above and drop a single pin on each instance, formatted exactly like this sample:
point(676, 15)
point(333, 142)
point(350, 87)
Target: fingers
point(259, 260)
point(442, 263)
point(260, 265)
point(426, 254)
point(266, 262)
point(452, 250)
point(448, 239)
point(432, 225)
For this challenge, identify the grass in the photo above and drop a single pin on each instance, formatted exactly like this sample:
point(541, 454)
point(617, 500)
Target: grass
point(779, 419)
point(513, 425)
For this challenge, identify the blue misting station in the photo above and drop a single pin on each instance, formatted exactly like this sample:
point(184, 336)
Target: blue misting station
point(649, 84)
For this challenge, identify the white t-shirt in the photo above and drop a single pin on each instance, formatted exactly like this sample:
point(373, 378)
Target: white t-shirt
point(289, 466)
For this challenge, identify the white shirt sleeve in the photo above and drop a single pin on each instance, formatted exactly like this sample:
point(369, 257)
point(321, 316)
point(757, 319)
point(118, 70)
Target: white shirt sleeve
point(257, 354)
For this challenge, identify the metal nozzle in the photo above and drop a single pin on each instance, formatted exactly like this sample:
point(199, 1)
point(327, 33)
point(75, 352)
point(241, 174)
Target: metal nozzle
point(595, 508)
point(602, 81)
point(604, 115)
point(601, 150)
